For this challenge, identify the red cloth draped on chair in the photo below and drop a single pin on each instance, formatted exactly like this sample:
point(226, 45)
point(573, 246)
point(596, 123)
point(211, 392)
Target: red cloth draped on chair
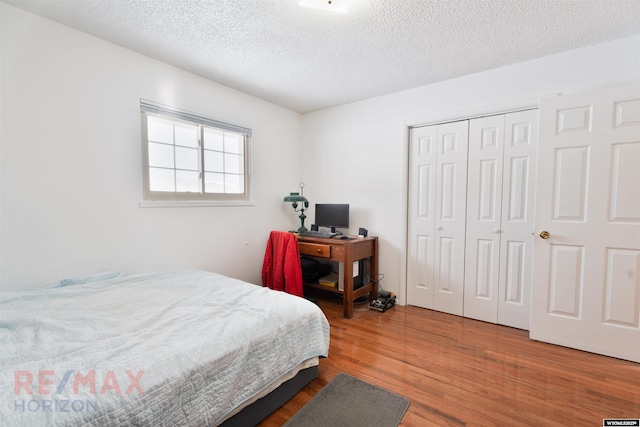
point(281, 268)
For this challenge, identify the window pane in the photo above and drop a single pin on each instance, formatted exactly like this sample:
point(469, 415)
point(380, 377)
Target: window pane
point(186, 135)
point(213, 183)
point(187, 182)
point(213, 161)
point(159, 130)
point(233, 143)
point(213, 139)
point(233, 184)
point(161, 180)
point(233, 163)
point(187, 158)
point(161, 155)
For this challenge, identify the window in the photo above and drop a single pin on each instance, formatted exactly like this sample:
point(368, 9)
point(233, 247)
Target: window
point(189, 157)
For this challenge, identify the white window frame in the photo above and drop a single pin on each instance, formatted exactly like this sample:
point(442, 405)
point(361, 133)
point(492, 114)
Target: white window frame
point(160, 198)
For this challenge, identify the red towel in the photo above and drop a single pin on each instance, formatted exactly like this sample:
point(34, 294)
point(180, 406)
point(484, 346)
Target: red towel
point(281, 268)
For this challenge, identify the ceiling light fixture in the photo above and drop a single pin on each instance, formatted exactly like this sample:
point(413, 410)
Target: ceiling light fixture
point(338, 6)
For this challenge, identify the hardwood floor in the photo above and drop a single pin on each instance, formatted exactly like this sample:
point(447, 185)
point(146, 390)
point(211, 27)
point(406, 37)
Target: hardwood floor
point(458, 371)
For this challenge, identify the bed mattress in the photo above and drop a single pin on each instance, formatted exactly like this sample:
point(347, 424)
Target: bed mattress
point(166, 349)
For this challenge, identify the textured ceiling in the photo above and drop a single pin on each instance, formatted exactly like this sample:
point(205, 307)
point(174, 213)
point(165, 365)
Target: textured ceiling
point(306, 59)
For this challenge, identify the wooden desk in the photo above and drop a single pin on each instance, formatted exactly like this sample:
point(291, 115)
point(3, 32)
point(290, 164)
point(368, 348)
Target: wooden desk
point(346, 252)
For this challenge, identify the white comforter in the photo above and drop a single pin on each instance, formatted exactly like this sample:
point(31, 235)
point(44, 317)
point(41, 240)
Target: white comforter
point(182, 348)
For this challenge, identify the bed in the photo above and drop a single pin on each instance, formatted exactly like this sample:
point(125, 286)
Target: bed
point(179, 348)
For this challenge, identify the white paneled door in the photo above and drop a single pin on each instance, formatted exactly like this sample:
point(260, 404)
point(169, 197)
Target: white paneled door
point(586, 281)
point(484, 214)
point(437, 207)
point(499, 243)
point(518, 208)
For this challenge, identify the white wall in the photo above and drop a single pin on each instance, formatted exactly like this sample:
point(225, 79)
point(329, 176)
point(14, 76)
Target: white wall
point(1, 44)
point(358, 154)
point(70, 153)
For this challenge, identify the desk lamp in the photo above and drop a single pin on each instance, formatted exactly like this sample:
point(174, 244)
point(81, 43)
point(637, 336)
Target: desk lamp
point(294, 199)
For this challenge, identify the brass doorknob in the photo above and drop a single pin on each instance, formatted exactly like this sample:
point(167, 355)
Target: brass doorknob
point(544, 234)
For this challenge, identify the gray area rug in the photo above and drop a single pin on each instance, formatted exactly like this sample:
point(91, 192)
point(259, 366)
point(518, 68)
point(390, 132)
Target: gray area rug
point(348, 401)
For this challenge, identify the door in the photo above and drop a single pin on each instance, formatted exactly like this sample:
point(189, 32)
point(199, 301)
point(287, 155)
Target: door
point(484, 212)
point(586, 282)
point(517, 225)
point(437, 209)
point(421, 216)
point(499, 253)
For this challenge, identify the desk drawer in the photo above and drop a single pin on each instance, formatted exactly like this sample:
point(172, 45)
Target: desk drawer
point(315, 249)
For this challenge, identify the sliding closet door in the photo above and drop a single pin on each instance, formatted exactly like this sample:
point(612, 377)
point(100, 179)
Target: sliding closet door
point(421, 216)
point(451, 204)
point(517, 225)
point(437, 210)
point(502, 158)
point(484, 210)
point(586, 280)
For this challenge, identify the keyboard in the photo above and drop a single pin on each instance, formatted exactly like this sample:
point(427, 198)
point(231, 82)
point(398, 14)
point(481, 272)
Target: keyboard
point(321, 234)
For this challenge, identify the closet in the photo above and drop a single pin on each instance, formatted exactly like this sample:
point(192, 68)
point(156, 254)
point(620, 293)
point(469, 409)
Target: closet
point(470, 217)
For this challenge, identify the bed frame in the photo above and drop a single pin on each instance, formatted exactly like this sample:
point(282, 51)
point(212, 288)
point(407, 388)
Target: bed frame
point(262, 408)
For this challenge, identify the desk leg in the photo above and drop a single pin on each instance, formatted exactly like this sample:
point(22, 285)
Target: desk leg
point(347, 297)
point(373, 271)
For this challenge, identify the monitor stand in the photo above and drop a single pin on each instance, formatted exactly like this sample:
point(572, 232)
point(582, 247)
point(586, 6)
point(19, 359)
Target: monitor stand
point(334, 231)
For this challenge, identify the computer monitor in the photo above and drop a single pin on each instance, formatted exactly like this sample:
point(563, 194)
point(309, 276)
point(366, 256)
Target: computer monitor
point(332, 215)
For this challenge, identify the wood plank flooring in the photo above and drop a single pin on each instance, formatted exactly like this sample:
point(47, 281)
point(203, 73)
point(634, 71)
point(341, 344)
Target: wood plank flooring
point(463, 372)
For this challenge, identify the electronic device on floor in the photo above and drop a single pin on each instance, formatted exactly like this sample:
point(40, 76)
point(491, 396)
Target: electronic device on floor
point(385, 301)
